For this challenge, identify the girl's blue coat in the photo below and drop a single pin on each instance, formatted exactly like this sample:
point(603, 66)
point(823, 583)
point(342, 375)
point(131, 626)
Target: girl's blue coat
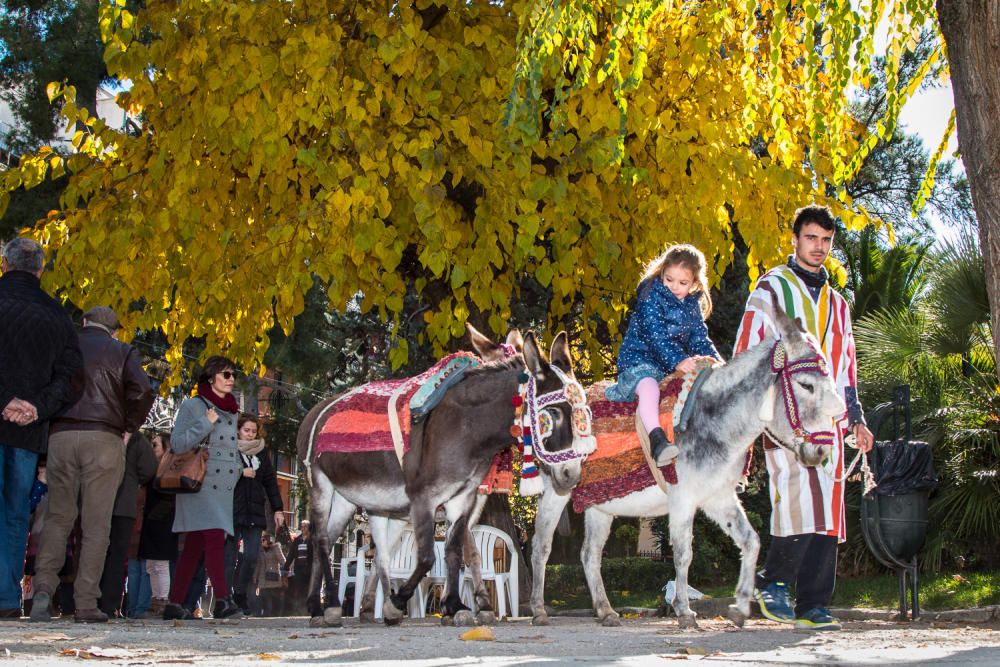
point(663, 332)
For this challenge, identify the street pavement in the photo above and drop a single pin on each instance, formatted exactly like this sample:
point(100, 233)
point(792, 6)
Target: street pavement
point(567, 641)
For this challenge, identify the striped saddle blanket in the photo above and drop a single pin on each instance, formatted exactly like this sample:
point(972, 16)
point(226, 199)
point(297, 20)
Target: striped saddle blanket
point(618, 467)
point(369, 417)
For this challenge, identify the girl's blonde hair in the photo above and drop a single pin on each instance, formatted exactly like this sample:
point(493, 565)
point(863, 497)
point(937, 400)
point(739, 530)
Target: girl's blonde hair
point(690, 258)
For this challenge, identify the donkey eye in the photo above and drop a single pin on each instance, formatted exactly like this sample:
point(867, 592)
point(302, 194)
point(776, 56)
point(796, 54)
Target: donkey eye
point(808, 386)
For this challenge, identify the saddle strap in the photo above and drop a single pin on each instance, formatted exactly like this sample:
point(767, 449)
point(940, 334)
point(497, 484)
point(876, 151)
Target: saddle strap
point(394, 427)
point(681, 424)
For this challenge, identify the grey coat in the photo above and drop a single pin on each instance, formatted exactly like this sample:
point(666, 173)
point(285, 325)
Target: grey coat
point(212, 507)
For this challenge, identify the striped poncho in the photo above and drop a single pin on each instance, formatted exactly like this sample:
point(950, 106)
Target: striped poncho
point(804, 499)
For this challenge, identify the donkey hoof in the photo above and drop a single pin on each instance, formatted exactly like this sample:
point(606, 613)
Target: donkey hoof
point(367, 617)
point(737, 617)
point(332, 617)
point(687, 622)
point(464, 618)
point(448, 620)
point(484, 617)
point(390, 614)
point(316, 622)
point(611, 621)
point(391, 621)
point(540, 619)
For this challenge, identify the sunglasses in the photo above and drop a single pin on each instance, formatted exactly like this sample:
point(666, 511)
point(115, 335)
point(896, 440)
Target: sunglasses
point(229, 375)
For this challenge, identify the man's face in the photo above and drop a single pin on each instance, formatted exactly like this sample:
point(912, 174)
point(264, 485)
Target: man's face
point(812, 246)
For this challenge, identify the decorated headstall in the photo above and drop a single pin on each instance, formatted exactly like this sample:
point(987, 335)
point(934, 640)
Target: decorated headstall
point(784, 369)
point(533, 425)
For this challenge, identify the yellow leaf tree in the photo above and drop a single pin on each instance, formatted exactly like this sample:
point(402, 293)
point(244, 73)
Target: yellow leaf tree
point(372, 146)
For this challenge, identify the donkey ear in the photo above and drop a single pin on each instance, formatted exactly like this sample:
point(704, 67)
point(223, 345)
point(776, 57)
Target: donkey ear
point(559, 353)
point(516, 340)
point(483, 345)
point(787, 326)
point(533, 357)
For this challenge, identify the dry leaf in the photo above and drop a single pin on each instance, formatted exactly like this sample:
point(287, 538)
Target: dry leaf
point(50, 637)
point(479, 634)
point(293, 636)
point(694, 650)
point(268, 656)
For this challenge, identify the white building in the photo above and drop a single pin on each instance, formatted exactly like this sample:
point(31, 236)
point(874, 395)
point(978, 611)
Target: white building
point(107, 110)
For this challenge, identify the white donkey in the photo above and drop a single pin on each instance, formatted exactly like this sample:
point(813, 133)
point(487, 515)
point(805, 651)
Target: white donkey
point(780, 387)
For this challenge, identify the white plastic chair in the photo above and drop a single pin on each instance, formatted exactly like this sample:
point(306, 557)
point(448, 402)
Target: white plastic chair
point(485, 539)
point(358, 578)
point(438, 575)
point(402, 563)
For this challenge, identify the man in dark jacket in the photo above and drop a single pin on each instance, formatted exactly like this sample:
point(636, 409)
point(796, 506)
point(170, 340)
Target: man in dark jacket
point(140, 466)
point(86, 459)
point(39, 357)
point(298, 564)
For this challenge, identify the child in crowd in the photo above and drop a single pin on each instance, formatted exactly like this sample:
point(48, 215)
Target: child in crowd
point(667, 333)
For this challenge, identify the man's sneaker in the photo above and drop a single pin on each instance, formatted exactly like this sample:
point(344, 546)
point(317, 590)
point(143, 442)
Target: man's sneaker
point(773, 601)
point(40, 607)
point(817, 619)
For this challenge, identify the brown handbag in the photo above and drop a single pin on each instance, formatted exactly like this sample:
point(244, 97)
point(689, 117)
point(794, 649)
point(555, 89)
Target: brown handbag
point(181, 473)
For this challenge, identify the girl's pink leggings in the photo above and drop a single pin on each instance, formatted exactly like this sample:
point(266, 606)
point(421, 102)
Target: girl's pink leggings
point(648, 391)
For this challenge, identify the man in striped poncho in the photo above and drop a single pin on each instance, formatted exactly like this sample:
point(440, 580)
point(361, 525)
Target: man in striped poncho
point(807, 517)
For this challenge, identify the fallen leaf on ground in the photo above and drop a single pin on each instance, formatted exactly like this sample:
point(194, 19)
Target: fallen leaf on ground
point(268, 656)
point(50, 637)
point(96, 652)
point(693, 650)
point(293, 636)
point(479, 634)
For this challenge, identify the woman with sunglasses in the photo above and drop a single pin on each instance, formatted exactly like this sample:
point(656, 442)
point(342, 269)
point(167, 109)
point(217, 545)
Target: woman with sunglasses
point(206, 518)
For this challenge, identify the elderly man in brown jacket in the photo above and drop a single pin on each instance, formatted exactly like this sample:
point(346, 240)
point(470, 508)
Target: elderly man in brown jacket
point(86, 460)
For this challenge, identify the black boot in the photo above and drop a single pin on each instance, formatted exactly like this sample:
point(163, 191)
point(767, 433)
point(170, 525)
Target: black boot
point(173, 611)
point(225, 608)
point(662, 450)
point(241, 601)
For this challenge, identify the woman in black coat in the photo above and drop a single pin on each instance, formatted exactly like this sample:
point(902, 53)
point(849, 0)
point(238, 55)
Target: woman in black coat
point(258, 482)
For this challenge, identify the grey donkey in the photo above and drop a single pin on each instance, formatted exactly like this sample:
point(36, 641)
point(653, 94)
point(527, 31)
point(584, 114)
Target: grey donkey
point(739, 402)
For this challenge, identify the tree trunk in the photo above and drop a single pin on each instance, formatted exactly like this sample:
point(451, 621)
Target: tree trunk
point(971, 31)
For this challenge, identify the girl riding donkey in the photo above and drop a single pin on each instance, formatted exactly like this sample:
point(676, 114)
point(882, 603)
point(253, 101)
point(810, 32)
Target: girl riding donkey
point(667, 333)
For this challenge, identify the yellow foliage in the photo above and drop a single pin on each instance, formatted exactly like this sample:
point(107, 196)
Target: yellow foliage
point(364, 143)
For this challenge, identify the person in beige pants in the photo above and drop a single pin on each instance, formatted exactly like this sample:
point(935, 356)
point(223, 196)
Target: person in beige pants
point(86, 460)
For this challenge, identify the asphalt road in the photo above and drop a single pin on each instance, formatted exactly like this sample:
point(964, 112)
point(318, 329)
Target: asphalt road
point(568, 641)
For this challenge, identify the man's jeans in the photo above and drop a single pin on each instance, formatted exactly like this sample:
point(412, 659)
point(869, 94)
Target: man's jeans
point(17, 475)
point(88, 465)
point(140, 592)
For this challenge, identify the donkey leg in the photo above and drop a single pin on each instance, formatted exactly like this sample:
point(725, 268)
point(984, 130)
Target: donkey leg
point(338, 513)
point(550, 507)
point(454, 612)
point(321, 498)
point(384, 532)
point(422, 517)
point(366, 612)
point(681, 537)
point(473, 559)
point(597, 528)
point(729, 514)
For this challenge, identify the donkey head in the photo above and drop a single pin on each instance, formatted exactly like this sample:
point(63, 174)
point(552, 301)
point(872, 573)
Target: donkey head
point(567, 413)
point(802, 402)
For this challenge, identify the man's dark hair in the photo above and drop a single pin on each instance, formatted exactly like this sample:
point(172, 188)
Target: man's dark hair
point(819, 215)
point(213, 366)
point(23, 254)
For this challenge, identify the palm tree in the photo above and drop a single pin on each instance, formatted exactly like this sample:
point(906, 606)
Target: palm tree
point(883, 278)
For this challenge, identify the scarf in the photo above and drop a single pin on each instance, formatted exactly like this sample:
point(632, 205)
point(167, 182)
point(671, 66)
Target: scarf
point(814, 280)
point(227, 403)
point(251, 447)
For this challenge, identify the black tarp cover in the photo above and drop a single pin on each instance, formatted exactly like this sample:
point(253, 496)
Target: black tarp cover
point(904, 466)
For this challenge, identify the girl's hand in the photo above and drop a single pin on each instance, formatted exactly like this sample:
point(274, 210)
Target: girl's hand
point(687, 365)
point(249, 472)
point(212, 415)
